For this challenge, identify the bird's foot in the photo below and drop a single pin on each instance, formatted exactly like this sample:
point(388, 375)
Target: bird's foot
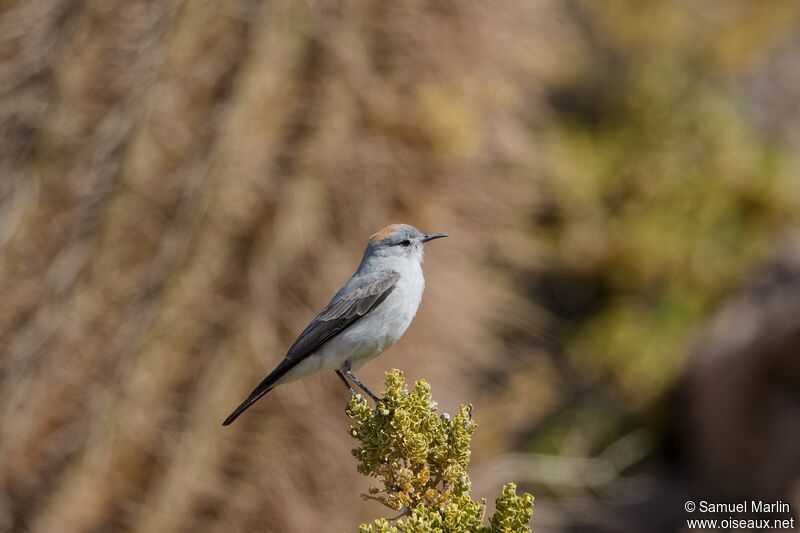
point(375, 398)
point(346, 384)
point(354, 379)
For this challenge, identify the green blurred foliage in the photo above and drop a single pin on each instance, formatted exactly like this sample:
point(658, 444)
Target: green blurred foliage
point(661, 191)
point(421, 459)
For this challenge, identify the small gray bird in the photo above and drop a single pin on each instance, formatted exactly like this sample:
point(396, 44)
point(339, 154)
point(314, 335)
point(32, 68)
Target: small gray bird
point(369, 314)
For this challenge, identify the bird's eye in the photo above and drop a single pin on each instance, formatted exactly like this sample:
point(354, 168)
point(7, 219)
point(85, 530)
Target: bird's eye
point(405, 243)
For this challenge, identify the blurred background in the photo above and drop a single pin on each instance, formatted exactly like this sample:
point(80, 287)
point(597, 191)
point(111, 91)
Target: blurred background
point(184, 184)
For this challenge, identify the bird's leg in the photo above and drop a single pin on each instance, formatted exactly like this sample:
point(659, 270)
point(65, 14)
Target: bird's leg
point(346, 383)
point(346, 371)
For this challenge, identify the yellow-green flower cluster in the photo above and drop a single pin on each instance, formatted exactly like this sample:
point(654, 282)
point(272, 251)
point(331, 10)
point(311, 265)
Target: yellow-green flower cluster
point(513, 513)
point(421, 459)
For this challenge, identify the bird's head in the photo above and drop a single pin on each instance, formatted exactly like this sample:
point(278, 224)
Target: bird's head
point(399, 240)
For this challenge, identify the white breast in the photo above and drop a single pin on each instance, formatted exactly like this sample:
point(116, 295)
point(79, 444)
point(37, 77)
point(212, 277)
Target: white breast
point(384, 325)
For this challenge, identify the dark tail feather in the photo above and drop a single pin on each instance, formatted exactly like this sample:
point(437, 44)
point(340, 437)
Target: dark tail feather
point(264, 387)
point(253, 398)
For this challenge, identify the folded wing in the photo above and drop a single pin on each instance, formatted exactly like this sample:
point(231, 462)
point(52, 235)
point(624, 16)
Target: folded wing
point(360, 295)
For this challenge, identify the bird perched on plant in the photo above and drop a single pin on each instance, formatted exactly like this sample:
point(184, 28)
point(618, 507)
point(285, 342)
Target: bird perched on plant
point(369, 314)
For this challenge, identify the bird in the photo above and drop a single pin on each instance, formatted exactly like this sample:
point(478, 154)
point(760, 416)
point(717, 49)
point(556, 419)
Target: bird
point(368, 315)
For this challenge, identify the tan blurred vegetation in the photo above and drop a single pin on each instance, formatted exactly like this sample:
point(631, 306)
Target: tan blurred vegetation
point(184, 184)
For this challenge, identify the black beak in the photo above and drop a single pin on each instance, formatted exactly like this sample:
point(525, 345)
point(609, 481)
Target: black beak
point(430, 236)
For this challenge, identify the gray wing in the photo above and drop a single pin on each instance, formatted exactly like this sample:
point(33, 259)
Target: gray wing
point(357, 298)
point(361, 294)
